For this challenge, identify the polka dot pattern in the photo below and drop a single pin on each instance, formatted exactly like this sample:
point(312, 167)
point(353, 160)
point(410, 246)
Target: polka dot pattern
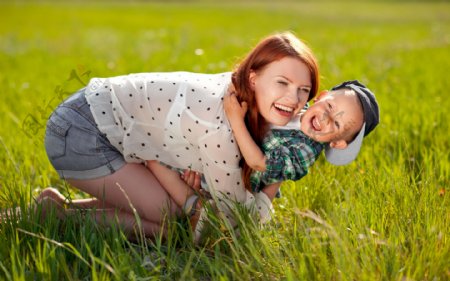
point(176, 118)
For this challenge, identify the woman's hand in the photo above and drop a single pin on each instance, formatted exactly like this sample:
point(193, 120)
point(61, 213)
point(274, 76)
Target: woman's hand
point(234, 110)
point(251, 152)
point(192, 179)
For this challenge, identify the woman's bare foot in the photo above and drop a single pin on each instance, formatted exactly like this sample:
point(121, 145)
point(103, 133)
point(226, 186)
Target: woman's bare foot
point(10, 214)
point(48, 205)
point(50, 199)
point(51, 193)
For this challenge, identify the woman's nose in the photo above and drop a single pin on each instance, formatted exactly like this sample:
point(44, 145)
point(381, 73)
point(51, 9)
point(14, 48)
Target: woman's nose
point(293, 96)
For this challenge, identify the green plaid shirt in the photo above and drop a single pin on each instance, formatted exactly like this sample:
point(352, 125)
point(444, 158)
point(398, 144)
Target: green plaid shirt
point(288, 153)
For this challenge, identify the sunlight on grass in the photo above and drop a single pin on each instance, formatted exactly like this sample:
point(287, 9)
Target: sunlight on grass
point(384, 217)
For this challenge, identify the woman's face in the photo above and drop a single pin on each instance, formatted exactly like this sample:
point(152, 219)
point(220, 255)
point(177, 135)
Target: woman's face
point(281, 89)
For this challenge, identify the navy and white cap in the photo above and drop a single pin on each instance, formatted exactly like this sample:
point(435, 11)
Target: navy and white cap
point(371, 119)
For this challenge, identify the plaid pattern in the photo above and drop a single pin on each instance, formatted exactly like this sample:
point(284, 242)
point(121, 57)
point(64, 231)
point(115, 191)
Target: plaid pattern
point(288, 153)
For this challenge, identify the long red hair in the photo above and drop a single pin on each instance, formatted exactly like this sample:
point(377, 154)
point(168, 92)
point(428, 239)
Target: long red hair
point(270, 49)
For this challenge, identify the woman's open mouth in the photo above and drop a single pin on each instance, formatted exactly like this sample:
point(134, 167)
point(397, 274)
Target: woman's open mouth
point(283, 109)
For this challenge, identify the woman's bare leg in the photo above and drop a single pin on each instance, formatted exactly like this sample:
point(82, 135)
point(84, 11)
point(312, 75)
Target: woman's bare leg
point(51, 202)
point(132, 189)
point(49, 198)
point(171, 181)
point(86, 203)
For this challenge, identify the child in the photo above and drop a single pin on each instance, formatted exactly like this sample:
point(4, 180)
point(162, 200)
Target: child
point(337, 121)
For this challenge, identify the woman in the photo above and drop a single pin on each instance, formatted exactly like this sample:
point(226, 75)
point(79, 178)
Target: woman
point(99, 139)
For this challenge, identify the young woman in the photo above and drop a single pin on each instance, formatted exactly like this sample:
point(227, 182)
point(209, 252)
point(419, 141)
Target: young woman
point(100, 139)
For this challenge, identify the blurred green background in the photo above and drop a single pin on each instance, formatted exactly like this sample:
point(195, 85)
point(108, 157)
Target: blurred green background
point(397, 188)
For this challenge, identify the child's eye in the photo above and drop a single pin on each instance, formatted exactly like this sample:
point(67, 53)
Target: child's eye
point(337, 124)
point(329, 106)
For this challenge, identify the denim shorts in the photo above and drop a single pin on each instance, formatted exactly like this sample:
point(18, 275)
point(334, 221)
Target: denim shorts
point(75, 146)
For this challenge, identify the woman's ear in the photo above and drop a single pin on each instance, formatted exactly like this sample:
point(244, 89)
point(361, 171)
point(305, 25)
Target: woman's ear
point(251, 79)
point(339, 144)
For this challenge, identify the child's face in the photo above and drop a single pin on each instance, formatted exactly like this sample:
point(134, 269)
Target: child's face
point(335, 116)
point(281, 89)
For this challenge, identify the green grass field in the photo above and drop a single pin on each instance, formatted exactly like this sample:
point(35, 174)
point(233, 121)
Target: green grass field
point(384, 217)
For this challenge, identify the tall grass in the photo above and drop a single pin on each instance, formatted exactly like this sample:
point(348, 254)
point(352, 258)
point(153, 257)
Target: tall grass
point(384, 217)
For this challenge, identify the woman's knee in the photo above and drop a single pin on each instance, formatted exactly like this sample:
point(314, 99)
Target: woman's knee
point(132, 188)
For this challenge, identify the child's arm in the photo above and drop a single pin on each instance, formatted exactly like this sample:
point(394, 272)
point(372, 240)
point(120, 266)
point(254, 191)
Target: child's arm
point(235, 112)
point(178, 188)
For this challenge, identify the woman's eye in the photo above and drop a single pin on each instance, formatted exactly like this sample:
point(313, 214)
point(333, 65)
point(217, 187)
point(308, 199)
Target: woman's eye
point(305, 90)
point(284, 83)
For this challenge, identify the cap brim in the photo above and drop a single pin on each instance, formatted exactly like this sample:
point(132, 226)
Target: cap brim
point(344, 156)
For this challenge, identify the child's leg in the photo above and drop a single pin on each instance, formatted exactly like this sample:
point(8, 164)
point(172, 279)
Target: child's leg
point(271, 190)
point(171, 181)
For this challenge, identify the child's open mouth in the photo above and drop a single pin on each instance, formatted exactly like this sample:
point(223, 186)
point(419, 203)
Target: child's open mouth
point(315, 124)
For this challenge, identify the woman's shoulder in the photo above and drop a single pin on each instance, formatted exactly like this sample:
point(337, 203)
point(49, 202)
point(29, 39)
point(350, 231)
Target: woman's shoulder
point(186, 77)
point(180, 75)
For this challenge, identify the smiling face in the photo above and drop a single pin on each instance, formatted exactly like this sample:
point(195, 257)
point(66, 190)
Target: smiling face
point(281, 89)
point(334, 118)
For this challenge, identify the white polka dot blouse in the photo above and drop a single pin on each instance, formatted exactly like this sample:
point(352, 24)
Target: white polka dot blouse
point(176, 118)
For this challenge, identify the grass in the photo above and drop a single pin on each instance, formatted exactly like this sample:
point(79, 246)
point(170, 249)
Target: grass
point(384, 217)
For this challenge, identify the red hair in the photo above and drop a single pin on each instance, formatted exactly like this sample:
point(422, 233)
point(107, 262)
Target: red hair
point(270, 49)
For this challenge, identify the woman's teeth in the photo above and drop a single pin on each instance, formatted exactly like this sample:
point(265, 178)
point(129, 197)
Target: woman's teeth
point(283, 108)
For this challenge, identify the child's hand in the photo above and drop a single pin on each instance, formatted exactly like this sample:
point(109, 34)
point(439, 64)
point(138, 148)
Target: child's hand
point(192, 179)
point(234, 110)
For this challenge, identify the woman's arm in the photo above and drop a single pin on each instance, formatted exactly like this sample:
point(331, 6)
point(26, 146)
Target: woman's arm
point(177, 187)
point(252, 154)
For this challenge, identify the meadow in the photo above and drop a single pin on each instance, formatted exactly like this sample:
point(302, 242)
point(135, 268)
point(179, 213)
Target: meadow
point(386, 216)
